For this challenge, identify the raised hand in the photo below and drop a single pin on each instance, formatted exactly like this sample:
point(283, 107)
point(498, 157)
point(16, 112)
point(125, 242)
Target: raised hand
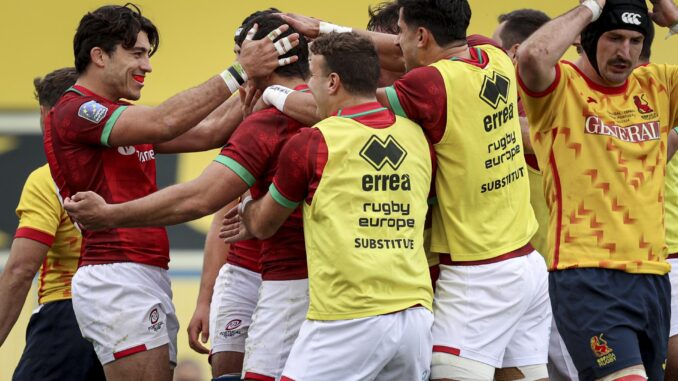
point(259, 58)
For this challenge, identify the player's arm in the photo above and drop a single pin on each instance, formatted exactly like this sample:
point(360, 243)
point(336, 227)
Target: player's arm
point(296, 168)
point(390, 55)
point(211, 132)
point(213, 259)
point(214, 188)
point(540, 53)
point(25, 258)
point(145, 124)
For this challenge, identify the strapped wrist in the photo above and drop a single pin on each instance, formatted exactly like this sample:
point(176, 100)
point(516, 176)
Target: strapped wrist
point(595, 8)
point(327, 28)
point(235, 76)
point(276, 96)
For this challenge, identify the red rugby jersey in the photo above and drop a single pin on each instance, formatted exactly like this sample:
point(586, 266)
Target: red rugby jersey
point(245, 254)
point(252, 152)
point(80, 159)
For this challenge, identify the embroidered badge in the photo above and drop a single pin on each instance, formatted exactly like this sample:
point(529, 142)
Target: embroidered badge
point(93, 111)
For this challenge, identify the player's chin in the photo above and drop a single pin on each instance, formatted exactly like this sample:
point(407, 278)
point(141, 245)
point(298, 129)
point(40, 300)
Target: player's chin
point(133, 94)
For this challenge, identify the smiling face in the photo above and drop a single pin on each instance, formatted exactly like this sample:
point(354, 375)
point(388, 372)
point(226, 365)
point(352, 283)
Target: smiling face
point(318, 84)
point(126, 69)
point(618, 54)
point(407, 41)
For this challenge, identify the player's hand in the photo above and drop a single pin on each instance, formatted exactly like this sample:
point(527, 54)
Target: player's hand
point(199, 328)
point(261, 57)
point(308, 26)
point(664, 12)
point(249, 100)
point(233, 229)
point(88, 209)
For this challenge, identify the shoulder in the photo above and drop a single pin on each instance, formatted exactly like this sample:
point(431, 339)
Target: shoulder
point(40, 180)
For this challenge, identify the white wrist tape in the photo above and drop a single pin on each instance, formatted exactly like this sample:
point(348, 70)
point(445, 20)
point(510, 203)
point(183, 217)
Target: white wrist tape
point(235, 76)
point(673, 29)
point(243, 203)
point(326, 28)
point(276, 96)
point(594, 7)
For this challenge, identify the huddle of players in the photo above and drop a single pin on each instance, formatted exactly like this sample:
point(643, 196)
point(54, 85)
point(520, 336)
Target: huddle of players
point(492, 307)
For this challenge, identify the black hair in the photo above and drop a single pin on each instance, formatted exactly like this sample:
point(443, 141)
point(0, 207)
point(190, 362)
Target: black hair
point(447, 20)
point(520, 24)
point(51, 87)
point(109, 26)
point(269, 22)
point(384, 18)
point(353, 58)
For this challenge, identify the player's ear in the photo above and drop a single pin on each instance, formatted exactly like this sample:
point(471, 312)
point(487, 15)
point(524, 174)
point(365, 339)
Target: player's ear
point(334, 83)
point(97, 56)
point(423, 37)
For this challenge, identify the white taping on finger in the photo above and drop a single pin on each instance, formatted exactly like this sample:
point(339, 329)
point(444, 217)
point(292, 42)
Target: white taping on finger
point(279, 48)
point(274, 34)
point(284, 61)
point(251, 33)
point(286, 44)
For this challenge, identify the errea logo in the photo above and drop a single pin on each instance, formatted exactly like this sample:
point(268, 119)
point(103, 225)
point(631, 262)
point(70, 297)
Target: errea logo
point(631, 18)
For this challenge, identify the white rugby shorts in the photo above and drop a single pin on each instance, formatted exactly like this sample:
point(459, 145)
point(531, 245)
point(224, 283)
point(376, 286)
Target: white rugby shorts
point(387, 347)
point(235, 296)
point(280, 311)
point(125, 308)
point(673, 277)
point(498, 314)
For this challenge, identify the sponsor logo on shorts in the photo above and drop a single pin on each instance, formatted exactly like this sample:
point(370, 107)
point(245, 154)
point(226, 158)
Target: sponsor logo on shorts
point(602, 351)
point(92, 111)
point(154, 318)
point(231, 329)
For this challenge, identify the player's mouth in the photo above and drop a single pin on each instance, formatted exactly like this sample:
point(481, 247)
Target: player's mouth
point(139, 78)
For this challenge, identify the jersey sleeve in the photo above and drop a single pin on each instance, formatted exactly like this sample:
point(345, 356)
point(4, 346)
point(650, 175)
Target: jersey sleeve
point(85, 120)
point(672, 80)
point(478, 39)
point(251, 146)
point(299, 164)
point(542, 108)
point(420, 96)
point(39, 209)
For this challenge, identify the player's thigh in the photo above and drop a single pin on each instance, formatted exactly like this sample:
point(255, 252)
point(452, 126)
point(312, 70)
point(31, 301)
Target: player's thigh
point(478, 308)
point(280, 312)
point(529, 344)
point(234, 299)
point(150, 365)
point(227, 362)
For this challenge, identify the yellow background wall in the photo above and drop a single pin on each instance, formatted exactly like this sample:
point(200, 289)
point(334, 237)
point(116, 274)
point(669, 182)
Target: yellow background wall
point(196, 37)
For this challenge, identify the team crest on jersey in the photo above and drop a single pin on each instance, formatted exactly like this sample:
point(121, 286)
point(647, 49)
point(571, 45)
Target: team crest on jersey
point(379, 152)
point(92, 111)
point(602, 351)
point(641, 104)
point(495, 89)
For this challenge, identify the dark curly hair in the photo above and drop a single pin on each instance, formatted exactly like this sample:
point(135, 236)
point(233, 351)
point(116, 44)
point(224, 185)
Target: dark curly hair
point(109, 26)
point(51, 87)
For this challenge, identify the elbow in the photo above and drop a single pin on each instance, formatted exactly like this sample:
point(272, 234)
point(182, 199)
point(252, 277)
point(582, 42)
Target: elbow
point(529, 55)
point(20, 273)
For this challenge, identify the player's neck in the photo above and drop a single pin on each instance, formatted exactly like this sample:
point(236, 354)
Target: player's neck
point(91, 82)
point(346, 100)
point(445, 53)
point(289, 82)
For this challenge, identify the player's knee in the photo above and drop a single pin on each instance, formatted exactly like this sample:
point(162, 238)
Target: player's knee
point(522, 373)
point(228, 377)
point(451, 367)
point(636, 373)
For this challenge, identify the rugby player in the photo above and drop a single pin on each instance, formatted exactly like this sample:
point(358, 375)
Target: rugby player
point(247, 161)
point(46, 240)
point(483, 222)
point(96, 141)
point(362, 176)
point(599, 128)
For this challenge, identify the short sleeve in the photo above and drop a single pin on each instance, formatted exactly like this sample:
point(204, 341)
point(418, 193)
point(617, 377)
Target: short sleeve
point(420, 96)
